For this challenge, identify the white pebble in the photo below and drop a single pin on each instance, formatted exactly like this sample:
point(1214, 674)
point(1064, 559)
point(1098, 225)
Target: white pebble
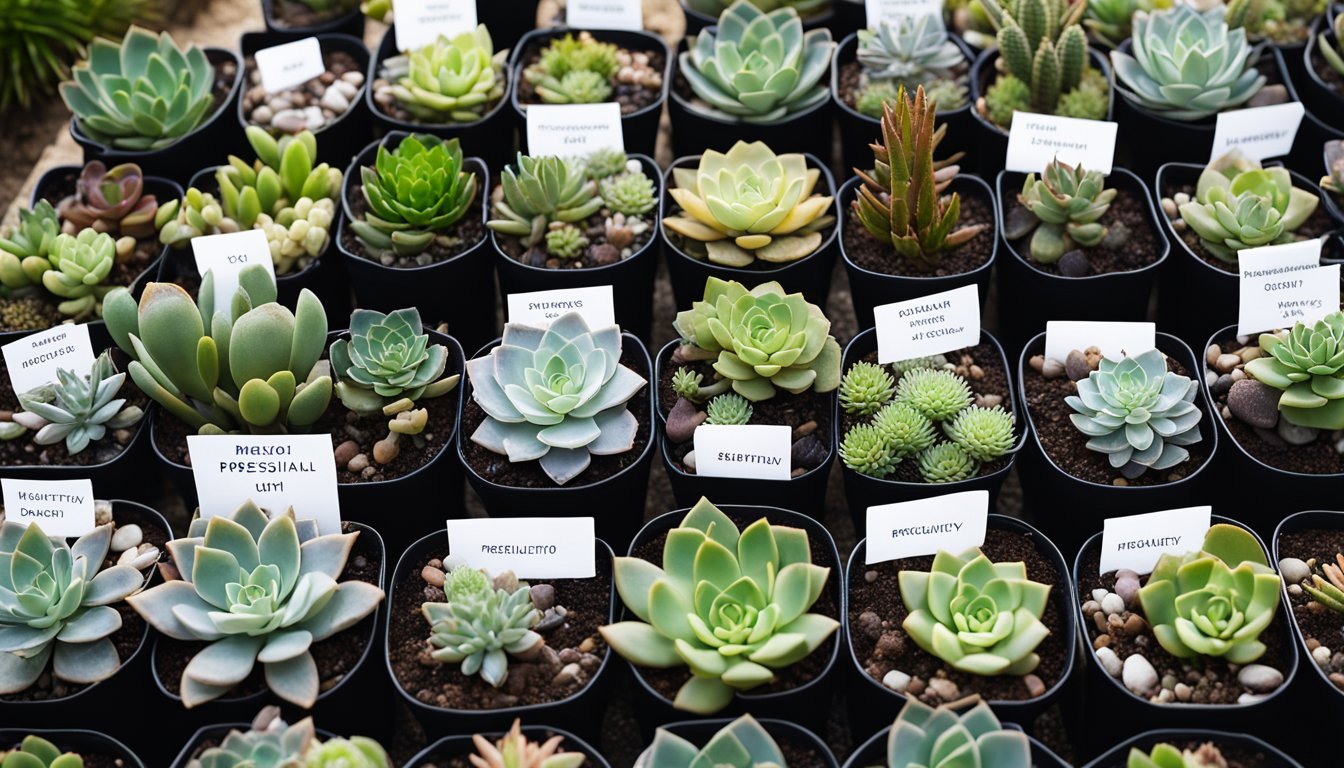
point(336, 101)
point(896, 680)
point(1293, 570)
point(1251, 698)
point(1109, 661)
point(1099, 594)
point(127, 537)
point(1260, 678)
point(1113, 604)
point(1138, 675)
point(1321, 656)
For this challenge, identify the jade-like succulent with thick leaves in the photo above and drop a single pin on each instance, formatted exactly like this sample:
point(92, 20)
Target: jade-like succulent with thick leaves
point(1043, 46)
point(270, 742)
point(77, 409)
point(743, 743)
point(538, 191)
point(942, 738)
point(449, 81)
point(1214, 602)
point(1163, 755)
point(26, 247)
point(1069, 202)
point(79, 266)
point(557, 395)
point(416, 194)
point(731, 605)
point(1138, 413)
point(483, 623)
point(256, 588)
point(111, 200)
point(916, 51)
point(36, 752)
point(387, 359)
point(56, 606)
point(514, 750)
point(1308, 365)
point(976, 615)
point(1239, 204)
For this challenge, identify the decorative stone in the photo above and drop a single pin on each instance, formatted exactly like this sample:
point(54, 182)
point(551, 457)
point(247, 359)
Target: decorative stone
point(568, 674)
point(433, 576)
point(1074, 264)
point(1127, 585)
point(1109, 661)
point(808, 452)
point(345, 452)
point(1212, 354)
point(944, 689)
point(1113, 604)
point(334, 100)
point(1138, 675)
point(127, 537)
point(1254, 403)
point(1225, 363)
point(1052, 369)
point(1260, 678)
point(1293, 570)
point(896, 680)
point(1019, 223)
point(1099, 594)
point(1075, 366)
point(1294, 434)
point(682, 421)
point(1321, 656)
point(358, 463)
point(543, 596)
point(1034, 685)
point(1183, 692)
point(1134, 625)
point(1270, 94)
point(1221, 385)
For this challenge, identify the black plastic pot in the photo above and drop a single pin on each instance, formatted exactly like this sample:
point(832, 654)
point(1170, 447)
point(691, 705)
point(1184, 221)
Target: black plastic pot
point(858, 131)
point(460, 746)
point(214, 735)
point(1319, 97)
point(699, 732)
point(863, 491)
point(639, 128)
point(631, 279)
point(616, 501)
point(87, 743)
point(1052, 489)
point(696, 21)
point(874, 751)
point(1117, 755)
point(870, 289)
point(810, 275)
point(1332, 203)
point(807, 705)
point(872, 705)
point(216, 135)
point(508, 22)
point(349, 23)
point(459, 290)
point(1111, 296)
point(574, 713)
point(340, 139)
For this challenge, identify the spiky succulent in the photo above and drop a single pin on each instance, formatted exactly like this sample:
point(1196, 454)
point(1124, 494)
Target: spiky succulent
point(449, 81)
point(978, 616)
point(256, 588)
point(25, 248)
point(728, 408)
point(79, 266)
point(1042, 45)
point(536, 191)
point(1308, 365)
point(984, 434)
point(941, 738)
point(514, 750)
point(416, 194)
point(1239, 204)
point(743, 743)
point(483, 623)
point(936, 393)
point(732, 605)
point(1214, 602)
point(574, 70)
point(866, 450)
point(111, 200)
point(565, 241)
point(77, 409)
point(1069, 202)
point(36, 752)
point(906, 430)
point(270, 742)
point(865, 388)
point(1328, 589)
point(946, 463)
point(630, 193)
point(1162, 755)
point(686, 383)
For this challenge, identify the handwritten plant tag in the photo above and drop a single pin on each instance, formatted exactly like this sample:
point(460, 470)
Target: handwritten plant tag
point(420, 22)
point(531, 547)
point(892, 11)
point(227, 254)
point(929, 325)
point(1259, 132)
point(1115, 340)
point(289, 65)
point(32, 361)
point(747, 451)
point(573, 130)
point(1136, 542)
point(954, 522)
point(1283, 284)
point(274, 471)
point(61, 508)
point(605, 14)
point(541, 308)
point(1038, 139)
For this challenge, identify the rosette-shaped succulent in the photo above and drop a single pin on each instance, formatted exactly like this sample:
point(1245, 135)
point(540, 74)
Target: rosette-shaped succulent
point(938, 394)
point(79, 265)
point(416, 193)
point(946, 463)
point(915, 51)
point(978, 616)
point(630, 193)
point(557, 395)
point(984, 434)
point(761, 339)
point(270, 742)
point(1308, 365)
point(142, 93)
point(941, 738)
point(865, 388)
point(1069, 203)
point(78, 409)
point(1207, 755)
point(388, 358)
point(1186, 64)
point(25, 248)
point(514, 750)
point(256, 588)
point(36, 752)
point(730, 605)
point(536, 191)
point(865, 449)
point(574, 70)
point(57, 606)
point(111, 200)
point(750, 204)
point(743, 743)
point(1109, 21)
point(728, 408)
point(1239, 204)
point(1137, 413)
point(757, 67)
point(449, 81)
point(1215, 602)
point(483, 623)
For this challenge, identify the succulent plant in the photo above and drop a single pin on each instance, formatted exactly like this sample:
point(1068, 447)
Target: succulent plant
point(1308, 365)
point(743, 743)
point(1042, 45)
point(25, 248)
point(558, 396)
point(59, 606)
point(450, 80)
point(536, 191)
point(36, 752)
point(865, 388)
point(906, 430)
point(715, 7)
point(750, 204)
point(1214, 602)
point(608, 161)
point(565, 241)
point(79, 265)
point(354, 752)
point(1238, 204)
point(984, 434)
point(142, 93)
point(574, 70)
point(482, 624)
point(415, 193)
point(761, 339)
point(270, 742)
point(1069, 202)
point(915, 51)
point(1110, 21)
point(111, 200)
point(977, 616)
point(942, 738)
point(1137, 413)
point(936, 393)
point(686, 383)
point(866, 450)
point(514, 750)
point(1333, 53)
point(630, 193)
point(945, 95)
point(255, 588)
point(1328, 590)
point(1162, 755)
point(728, 408)
point(1333, 180)
point(77, 409)
point(946, 463)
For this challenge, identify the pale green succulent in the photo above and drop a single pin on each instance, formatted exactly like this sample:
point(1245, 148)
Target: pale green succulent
point(984, 434)
point(77, 409)
point(803, 7)
point(732, 605)
point(946, 463)
point(1332, 181)
point(79, 266)
point(865, 388)
point(1110, 21)
point(483, 623)
point(256, 588)
point(566, 241)
point(1308, 365)
point(941, 738)
point(574, 70)
point(388, 358)
point(36, 752)
point(686, 383)
point(728, 408)
point(449, 81)
point(1069, 202)
point(906, 430)
point(945, 95)
point(1333, 53)
point(1238, 204)
point(630, 193)
point(916, 51)
point(1042, 45)
point(270, 742)
point(25, 248)
point(514, 750)
point(608, 161)
point(416, 194)
point(743, 743)
point(536, 191)
point(938, 394)
point(1171, 756)
point(866, 450)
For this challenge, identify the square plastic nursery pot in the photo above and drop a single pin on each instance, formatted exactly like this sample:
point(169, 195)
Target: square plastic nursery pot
point(874, 751)
point(796, 742)
point(217, 134)
point(639, 129)
point(340, 139)
point(1108, 296)
point(1070, 509)
point(807, 704)
point(574, 713)
point(1107, 700)
point(696, 21)
point(873, 706)
point(1249, 747)
point(810, 275)
point(870, 289)
point(459, 289)
point(349, 23)
point(213, 735)
point(453, 750)
point(863, 491)
point(631, 279)
point(616, 501)
point(89, 744)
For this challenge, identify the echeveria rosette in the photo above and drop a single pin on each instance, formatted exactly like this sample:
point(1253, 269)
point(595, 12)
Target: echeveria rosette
point(536, 191)
point(36, 752)
point(1308, 365)
point(256, 589)
point(557, 395)
point(416, 193)
point(976, 615)
point(1207, 755)
point(730, 605)
point(1238, 204)
point(449, 81)
point(1068, 202)
point(387, 358)
point(77, 409)
point(111, 200)
point(743, 743)
point(942, 738)
point(482, 624)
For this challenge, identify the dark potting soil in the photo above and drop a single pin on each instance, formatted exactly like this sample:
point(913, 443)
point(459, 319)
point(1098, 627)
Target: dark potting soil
point(993, 381)
point(336, 657)
point(1140, 249)
point(666, 682)
point(496, 468)
point(335, 62)
point(442, 684)
point(1236, 755)
point(881, 645)
point(288, 13)
point(631, 96)
point(1319, 625)
point(851, 71)
point(866, 252)
point(1067, 447)
point(468, 231)
point(1212, 680)
point(1316, 225)
point(594, 228)
point(1327, 73)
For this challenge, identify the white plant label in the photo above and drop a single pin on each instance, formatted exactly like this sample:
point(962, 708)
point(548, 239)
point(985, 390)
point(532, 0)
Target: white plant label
point(1283, 284)
point(61, 508)
point(746, 451)
point(1259, 132)
point(420, 22)
point(1136, 542)
point(929, 325)
point(32, 361)
point(892, 11)
point(954, 522)
point(605, 14)
point(531, 547)
point(1115, 340)
point(541, 308)
point(227, 254)
point(1038, 139)
point(274, 471)
point(573, 130)
point(289, 65)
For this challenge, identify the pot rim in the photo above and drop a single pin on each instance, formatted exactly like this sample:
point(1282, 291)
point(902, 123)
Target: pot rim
point(852, 41)
point(656, 42)
point(713, 724)
point(1295, 521)
point(987, 57)
point(330, 25)
point(343, 42)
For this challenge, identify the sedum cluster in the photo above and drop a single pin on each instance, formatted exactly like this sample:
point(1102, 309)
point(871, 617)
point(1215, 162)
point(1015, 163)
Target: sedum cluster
point(514, 750)
point(1163, 755)
point(75, 409)
point(1239, 204)
point(1307, 364)
point(574, 70)
point(448, 81)
point(1043, 63)
point(942, 738)
point(483, 622)
point(729, 408)
point(270, 741)
point(742, 743)
point(915, 52)
point(38, 260)
point(36, 752)
point(1068, 203)
point(416, 194)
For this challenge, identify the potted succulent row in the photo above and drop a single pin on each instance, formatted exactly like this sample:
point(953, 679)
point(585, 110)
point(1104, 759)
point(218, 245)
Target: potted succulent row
point(920, 734)
point(745, 741)
point(533, 745)
point(269, 740)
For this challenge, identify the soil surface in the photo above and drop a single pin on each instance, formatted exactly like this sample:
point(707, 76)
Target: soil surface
point(631, 96)
point(1319, 625)
point(851, 71)
point(866, 252)
point(468, 231)
point(1129, 210)
point(598, 253)
point(1316, 225)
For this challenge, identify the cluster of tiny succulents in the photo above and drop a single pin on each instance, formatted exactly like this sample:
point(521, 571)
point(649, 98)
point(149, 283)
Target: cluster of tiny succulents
point(914, 52)
point(455, 80)
point(900, 411)
point(36, 752)
point(1306, 363)
point(271, 742)
point(514, 750)
point(1066, 204)
point(1285, 22)
point(1240, 204)
point(255, 588)
point(944, 738)
point(742, 743)
point(731, 605)
point(574, 70)
point(1333, 180)
point(1163, 755)
point(76, 409)
point(483, 623)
